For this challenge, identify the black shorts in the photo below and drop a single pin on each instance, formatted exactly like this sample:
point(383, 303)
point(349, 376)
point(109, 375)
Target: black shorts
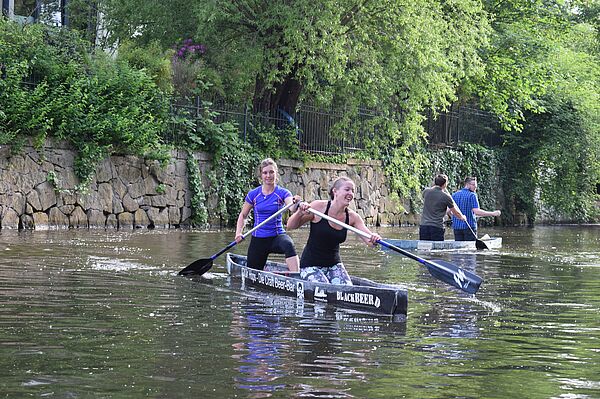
point(260, 248)
point(431, 233)
point(465, 235)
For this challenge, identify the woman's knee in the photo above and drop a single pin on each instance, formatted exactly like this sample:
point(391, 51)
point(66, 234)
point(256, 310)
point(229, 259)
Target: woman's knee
point(286, 245)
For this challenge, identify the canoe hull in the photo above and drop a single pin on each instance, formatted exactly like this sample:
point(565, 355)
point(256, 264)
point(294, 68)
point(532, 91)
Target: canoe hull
point(364, 296)
point(493, 243)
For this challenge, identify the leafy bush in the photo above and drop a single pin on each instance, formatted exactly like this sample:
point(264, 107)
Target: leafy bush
point(54, 87)
point(152, 59)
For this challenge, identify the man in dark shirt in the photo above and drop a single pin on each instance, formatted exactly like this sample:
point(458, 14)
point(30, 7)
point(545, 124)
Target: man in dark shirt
point(436, 202)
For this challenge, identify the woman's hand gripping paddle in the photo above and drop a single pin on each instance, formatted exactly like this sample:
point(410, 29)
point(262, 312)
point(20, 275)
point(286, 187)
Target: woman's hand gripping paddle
point(201, 266)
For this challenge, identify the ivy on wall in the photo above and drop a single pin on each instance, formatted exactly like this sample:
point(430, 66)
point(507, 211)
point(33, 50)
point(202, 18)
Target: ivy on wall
point(198, 197)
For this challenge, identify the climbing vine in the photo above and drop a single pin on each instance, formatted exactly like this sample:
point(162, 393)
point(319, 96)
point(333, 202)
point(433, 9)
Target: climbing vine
point(198, 197)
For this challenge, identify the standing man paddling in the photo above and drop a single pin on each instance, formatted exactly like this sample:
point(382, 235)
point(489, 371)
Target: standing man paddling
point(467, 202)
point(436, 202)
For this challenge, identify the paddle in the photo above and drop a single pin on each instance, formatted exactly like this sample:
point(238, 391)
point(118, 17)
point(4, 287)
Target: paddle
point(201, 266)
point(479, 244)
point(440, 269)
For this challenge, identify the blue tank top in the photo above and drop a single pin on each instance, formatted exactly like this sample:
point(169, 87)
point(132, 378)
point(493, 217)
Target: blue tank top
point(266, 205)
point(323, 246)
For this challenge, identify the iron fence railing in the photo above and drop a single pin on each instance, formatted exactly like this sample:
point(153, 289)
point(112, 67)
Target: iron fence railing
point(315, 127)
point(318, 129)
point(462, 124)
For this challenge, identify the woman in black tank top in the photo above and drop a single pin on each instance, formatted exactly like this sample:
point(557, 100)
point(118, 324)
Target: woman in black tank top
point(320, 259)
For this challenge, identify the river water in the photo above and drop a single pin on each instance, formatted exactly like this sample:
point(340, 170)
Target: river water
point(96, 314)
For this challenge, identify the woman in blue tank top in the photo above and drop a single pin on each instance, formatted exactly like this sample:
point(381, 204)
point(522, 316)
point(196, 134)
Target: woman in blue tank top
point(265, 200)
point(321, 257)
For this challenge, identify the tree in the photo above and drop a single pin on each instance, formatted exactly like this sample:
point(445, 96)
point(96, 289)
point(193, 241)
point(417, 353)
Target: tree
point(556, 157)
point(379, 53)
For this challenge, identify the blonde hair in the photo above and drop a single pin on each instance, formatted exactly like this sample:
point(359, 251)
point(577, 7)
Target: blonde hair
point(338, 183)
point(264, 163)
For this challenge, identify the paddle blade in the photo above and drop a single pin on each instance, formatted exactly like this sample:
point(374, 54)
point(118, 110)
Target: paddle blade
point(479, 244)
point(454, 275)
point(198, 267)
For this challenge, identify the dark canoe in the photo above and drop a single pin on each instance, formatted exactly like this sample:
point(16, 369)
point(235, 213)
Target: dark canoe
point(364, 296)
point(492, 243)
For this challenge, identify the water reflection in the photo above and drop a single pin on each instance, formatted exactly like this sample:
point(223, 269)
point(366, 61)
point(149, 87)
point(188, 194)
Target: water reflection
point(103, 314)
point(278, 337)
point(259, 348)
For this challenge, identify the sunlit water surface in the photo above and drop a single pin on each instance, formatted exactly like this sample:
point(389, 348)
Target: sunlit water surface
point(104, 314)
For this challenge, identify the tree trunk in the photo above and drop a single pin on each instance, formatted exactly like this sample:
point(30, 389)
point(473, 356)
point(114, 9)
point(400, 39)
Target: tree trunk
point(283, 96)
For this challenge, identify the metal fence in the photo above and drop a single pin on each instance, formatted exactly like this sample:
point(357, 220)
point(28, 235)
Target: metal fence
point(463, 124)
point(318, 130)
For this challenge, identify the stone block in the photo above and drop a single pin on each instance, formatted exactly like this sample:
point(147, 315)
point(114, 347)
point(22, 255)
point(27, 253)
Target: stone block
point(136, 190)
point(27, 222)
point(96, 219)
point(112, 222)
point(105, 197)
point(140, 219)
point(89, 201)
point(174, 215)
point(159, 218)
point(57, 219)
point(33, 199)
point(10, 218)
point(129, 204)
point(125, 220)
point(105, 171)
point(119, 188)
point(117, 205)
point(78, 218)
point(40, 221)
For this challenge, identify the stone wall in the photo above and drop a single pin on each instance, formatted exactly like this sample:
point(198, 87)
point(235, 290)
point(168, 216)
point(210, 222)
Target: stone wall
point(372, 197)
point(37, 190)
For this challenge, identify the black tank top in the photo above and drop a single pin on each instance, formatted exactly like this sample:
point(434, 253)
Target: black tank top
point(323, 246)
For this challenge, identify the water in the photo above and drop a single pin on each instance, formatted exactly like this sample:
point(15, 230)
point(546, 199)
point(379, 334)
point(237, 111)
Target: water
point(104, 315)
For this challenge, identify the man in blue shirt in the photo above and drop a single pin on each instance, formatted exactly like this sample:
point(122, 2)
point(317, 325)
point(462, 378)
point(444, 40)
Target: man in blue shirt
point(467, 202)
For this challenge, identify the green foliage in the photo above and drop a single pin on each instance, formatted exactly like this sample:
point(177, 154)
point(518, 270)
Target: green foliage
point(198, 198)
point(234, 162)
point(401, 147)
point(277, 143)
point(100, 106)
point(161, 188)
point(557, 163)
point(151, 59)
point(553, 165)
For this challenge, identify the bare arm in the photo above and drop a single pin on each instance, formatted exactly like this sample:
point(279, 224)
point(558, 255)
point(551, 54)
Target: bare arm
point(359, 223)
point(296, 199)
point(481, 212)
point(301, 216)
point(457, 213)
point(241, 222)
